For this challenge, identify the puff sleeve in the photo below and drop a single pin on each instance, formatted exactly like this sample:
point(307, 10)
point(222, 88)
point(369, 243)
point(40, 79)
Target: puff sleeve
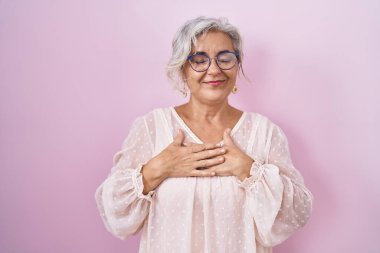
point(277, 197)
point(119, 198)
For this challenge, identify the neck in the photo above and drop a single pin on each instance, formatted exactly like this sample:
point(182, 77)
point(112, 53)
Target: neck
point(202, 111)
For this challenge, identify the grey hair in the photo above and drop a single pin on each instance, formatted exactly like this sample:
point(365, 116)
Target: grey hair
point(186, 37)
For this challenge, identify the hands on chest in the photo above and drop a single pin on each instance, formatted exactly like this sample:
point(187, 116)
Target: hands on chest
point(182, 159)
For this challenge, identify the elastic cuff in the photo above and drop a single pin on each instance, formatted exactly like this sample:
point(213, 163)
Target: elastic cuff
point(139, 185)
point(255, 173)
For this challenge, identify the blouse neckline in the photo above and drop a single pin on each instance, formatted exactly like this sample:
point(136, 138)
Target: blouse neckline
point(194, 136)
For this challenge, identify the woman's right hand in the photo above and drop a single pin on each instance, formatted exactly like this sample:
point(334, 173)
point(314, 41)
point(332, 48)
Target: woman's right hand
point(181, 160)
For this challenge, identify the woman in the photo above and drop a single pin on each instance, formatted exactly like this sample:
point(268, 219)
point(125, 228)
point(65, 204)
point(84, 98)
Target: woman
point(204, 176)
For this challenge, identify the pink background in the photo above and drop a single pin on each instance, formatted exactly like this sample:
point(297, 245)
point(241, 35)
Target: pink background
point(74, 74)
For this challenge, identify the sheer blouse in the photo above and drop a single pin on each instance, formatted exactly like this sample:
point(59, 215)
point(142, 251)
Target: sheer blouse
point(205, 214)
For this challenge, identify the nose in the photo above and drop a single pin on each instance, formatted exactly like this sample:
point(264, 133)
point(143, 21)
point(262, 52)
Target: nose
point(214, 68)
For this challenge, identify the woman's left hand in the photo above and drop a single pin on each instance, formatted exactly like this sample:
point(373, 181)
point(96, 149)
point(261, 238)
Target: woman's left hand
point(236, 162)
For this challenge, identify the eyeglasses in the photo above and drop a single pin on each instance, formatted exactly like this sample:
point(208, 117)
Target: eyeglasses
point(225, 60)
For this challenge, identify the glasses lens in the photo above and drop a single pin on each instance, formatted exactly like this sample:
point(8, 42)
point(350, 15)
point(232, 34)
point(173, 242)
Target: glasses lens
point(226, 60)
point(199, 62)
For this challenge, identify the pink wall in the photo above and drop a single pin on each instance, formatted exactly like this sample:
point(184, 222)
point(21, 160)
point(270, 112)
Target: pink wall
point(74, 74)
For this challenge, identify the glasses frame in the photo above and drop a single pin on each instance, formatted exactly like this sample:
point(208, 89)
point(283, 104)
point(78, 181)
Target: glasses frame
point(210, 59)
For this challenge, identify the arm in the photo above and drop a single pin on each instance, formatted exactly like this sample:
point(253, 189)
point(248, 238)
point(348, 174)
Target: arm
point(279, 201)
point(120, 199)
point(124, 198)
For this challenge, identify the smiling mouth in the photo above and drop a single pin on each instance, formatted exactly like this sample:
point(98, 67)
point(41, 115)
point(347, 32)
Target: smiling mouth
point(215, 83)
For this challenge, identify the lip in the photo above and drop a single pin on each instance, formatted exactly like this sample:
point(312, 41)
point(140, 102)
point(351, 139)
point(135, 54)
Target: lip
point(215, 83)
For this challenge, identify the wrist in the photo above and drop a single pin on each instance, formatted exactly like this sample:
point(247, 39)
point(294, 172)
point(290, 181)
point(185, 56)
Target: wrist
point(246, 168)
point(158, 170)
point(152, 176)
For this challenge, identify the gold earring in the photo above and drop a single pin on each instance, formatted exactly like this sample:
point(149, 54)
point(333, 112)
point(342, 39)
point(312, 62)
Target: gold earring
point(234, 89)
point(184, 91)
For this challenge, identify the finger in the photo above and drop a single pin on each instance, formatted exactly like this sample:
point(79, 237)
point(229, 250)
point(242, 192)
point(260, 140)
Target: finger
point(202, 173)
point(227, 137)
point(206, 154)
point(219, 170)
point(200, 147)
point(189, 144)
point(179, 138)
point(209, 162)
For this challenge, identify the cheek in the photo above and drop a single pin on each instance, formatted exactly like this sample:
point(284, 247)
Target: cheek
point(232, 75)
point(193, 76)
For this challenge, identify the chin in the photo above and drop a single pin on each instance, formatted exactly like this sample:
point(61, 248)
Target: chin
point(213, 96)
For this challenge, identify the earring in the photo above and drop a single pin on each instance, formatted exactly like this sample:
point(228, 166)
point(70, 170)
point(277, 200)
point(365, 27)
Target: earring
point(234, 89)
point(184, 91)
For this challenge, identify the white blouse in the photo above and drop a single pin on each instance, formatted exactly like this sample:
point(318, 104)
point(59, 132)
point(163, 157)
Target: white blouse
point(205, 214)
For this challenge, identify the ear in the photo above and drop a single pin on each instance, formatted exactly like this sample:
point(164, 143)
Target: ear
point(184, 67)
point(183, 73)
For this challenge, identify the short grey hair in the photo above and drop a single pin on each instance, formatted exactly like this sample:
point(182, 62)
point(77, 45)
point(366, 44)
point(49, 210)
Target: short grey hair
point(186, 37)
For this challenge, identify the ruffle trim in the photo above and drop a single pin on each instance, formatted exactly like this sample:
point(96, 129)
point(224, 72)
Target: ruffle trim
point(256, 172)
point(138, 184)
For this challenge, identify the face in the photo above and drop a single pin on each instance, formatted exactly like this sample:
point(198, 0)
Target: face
point(202, 85)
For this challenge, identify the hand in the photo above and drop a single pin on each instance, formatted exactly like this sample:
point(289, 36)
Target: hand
point(181, 160)
point(236, 163)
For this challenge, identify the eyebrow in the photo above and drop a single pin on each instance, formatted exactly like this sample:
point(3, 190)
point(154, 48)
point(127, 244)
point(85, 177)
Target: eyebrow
point(204, 53)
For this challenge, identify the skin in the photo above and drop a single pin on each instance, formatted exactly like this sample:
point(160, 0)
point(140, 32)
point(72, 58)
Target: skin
point(211, 118)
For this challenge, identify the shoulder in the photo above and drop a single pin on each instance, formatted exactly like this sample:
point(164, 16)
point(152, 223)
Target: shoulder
point(150, 115)
point(143, 124)
point(266, 125)
point(149, 118)
point(262, 119)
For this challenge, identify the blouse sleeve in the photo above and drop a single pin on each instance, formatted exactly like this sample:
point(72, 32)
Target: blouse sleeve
point(119, 198)
point(278, 199)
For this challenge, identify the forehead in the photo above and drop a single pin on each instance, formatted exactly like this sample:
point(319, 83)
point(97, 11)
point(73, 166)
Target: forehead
point(213, 42)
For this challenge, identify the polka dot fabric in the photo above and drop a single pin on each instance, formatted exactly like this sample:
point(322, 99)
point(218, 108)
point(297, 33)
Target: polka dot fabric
point(208, 214)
